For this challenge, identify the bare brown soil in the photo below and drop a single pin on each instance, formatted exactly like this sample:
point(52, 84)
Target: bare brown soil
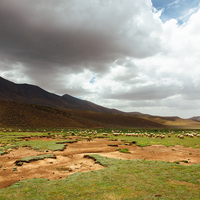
point(73, 158)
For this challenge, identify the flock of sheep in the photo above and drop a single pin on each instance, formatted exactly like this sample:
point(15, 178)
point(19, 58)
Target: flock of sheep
point(137, 133)
point(159, 135)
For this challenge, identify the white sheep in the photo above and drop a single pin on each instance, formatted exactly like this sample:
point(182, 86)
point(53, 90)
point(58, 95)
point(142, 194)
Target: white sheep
point(116, 134)
point(162, 136)
point(191, 135)
point(181, 137)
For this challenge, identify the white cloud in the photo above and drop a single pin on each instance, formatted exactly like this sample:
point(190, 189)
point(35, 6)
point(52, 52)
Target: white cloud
point(167, 83)
point(187, 14)
point(173, 3)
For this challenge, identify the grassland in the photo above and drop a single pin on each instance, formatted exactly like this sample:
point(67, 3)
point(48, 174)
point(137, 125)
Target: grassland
point(14, 139)
point(120, 179)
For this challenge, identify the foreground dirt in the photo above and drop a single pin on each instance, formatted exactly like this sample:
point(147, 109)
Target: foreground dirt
point(73, 158)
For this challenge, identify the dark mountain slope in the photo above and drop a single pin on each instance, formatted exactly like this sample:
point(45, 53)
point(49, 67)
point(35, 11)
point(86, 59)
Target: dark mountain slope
point(138, 114)
point(25, 93)
point(197, 118)
point(19, 115)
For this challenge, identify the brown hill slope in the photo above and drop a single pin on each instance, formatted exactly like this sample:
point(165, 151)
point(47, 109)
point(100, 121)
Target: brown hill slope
point(25, 93)
point(19, 115)
point(173, 122)
point(197, 118)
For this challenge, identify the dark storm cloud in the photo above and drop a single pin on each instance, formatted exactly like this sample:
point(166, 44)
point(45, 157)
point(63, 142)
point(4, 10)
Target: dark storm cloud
point(135, 60)
point(72, 34)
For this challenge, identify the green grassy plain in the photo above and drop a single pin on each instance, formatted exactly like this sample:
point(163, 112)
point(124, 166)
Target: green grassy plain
point(120, 179)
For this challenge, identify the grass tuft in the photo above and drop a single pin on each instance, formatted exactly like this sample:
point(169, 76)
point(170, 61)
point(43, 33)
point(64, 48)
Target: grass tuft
point(121, 179)
point(34, 158)
point(125, 150)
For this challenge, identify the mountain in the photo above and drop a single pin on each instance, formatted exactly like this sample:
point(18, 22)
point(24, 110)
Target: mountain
point(172, 122)
point(197, 118)
point(24, 105)
point(138, 114)
point(20, 115)
point(30, 94)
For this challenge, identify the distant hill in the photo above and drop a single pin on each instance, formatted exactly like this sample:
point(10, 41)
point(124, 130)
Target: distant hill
point(25, 93)
point(138, 114)
point(20, 115)
point(173, 122)
point(197, 118)
point(28, 105)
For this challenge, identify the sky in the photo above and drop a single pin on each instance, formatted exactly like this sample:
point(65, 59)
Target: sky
point(139, 55)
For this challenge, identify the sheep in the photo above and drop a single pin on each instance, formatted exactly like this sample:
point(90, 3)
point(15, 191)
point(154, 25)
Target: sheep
point(95, 133)
point(116, 134)
point(128, 134)
point(162, 136)
point(181, 137)
point(105, 134)
point(150, 135)
point(191, 135)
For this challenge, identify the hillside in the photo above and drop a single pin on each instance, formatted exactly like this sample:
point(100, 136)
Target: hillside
point(197, 118)
point(173, 122)
point(24, 105)
point(19, 115)
point(138, 114)
point(30, 94)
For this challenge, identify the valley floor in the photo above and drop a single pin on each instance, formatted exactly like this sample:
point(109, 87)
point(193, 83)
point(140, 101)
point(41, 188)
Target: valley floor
point(71, 159)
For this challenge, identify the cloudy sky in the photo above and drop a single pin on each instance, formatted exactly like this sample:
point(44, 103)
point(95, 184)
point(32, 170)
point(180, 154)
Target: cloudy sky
point(139, 55)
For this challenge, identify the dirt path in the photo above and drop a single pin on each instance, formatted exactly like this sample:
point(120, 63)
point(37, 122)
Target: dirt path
point(72, 158)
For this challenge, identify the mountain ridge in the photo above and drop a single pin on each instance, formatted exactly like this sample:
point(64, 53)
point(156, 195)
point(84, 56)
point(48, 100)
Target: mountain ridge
point(31, 94)
point(34, 95)
point(20, 115)
point(195, 118)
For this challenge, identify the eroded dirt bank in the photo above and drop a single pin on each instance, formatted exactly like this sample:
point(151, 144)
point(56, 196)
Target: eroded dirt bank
point(72, 160)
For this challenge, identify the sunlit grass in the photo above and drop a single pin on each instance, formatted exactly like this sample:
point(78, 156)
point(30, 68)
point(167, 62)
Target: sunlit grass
point(121, 179)
point(15, 139)
point(42, 145)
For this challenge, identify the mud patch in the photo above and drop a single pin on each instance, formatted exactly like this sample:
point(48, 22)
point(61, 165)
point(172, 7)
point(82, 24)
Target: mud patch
point(72, 159)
